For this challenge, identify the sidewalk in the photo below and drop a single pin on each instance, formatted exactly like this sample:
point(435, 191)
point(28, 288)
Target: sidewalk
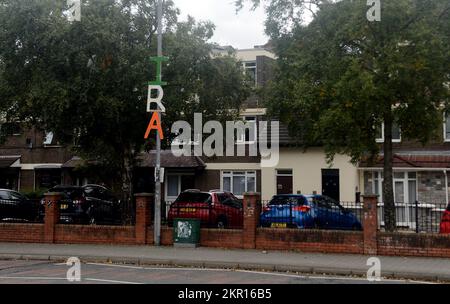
point(391, 267)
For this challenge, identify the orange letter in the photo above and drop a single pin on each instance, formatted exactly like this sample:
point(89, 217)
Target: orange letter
point(155, 124)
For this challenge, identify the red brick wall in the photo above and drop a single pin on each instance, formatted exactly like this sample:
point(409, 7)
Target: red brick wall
point(208, 237)
point(221, 238)
point(22, 233)
point(86, 234)
point(392, 244)
point(402, 244)
point(310, 240)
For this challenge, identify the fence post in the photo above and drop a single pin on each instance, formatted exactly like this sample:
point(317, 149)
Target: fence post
point(370, 224)
point(252, 212)
point(51, 217)
point(144, 203)
point(417, 216)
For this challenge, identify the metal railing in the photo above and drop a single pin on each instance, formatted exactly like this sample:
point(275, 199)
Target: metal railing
point(20, 211)
point(418, 217)
point(210, 215)
point(342, 216)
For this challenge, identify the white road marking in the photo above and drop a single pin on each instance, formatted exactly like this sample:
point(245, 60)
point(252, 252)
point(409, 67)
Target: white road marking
point(113, 281)
point(254, 272)
point(65, 279)
point(32, 278)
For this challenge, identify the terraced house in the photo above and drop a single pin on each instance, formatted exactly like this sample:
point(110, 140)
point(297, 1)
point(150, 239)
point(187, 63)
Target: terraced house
point(31, 160)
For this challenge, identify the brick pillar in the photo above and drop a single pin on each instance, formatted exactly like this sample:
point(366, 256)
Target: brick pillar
point(51, 215)
point(370, 224)
point(252, 212)
point(144, 203)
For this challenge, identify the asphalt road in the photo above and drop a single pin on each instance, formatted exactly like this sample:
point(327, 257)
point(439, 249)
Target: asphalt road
point(46, 272)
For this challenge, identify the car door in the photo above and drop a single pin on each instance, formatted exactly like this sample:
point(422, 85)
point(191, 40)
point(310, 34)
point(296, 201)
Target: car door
point(7, 205)
point(233, 209)
point(25, 209)
point(336, 214)
point(103, 207)
point(323, 218)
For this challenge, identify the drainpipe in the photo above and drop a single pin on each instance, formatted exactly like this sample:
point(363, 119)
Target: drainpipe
point(446, 187)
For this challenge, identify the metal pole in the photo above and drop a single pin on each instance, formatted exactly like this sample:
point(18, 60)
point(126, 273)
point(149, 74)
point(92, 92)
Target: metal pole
point(157, 219)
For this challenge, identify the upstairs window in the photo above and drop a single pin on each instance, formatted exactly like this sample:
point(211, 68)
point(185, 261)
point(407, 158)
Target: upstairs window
point(396, 133)
point(250, 70)
point(250, 134)
point(446, 127)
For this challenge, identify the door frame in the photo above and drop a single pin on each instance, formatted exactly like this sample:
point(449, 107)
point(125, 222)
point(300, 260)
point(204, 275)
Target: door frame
point(286, 175)
point(339, 181)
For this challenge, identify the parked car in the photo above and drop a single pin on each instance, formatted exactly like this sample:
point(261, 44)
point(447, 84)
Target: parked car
point(90, 204)
point(445, 222)
point(216, 209)
point(308, 212)
point(15, 207)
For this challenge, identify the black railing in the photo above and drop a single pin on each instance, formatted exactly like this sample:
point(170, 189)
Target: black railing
point(210, 215)
point(418, 217)
point(20, 211)
point(290, 214)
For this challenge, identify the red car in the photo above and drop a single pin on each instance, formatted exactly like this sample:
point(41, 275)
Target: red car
point(214, 209)
point(445, 223)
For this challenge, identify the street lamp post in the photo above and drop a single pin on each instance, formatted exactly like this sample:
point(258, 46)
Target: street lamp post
point(157, 219)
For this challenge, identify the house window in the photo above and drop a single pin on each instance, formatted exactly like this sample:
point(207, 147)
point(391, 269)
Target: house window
point(250, 133)
point(446, 127)
point(239, 182)
point(48, 138)
point(250, 70)
point(405, 186)
point(396, 133)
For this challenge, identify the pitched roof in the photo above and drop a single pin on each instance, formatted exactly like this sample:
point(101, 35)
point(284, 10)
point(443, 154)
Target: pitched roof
point(7, 161)
point(168, 160)
point(412, 161)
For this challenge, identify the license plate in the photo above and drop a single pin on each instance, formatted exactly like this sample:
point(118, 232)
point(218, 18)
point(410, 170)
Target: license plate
point(279, 225)
point(64, 207)
point(188, 210)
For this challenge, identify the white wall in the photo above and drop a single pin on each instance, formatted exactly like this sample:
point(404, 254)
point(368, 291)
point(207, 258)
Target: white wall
point(307, 173)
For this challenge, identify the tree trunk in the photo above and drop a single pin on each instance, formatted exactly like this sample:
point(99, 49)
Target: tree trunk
point(388, 183)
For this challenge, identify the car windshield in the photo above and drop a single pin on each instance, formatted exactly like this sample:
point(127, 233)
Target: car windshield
point(194, 197)
point(281, 200)
point(71, 192)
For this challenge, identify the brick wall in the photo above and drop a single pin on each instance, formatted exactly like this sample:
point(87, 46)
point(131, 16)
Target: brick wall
point(22, 233)
point(87, 234)
point(251, 237)
point(402, 244)
point(310, 240)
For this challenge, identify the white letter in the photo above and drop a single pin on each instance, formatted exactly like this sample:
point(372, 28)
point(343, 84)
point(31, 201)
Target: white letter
point(159, 106)
point(374, 13)
point(74, 272)
point(198, 134)
point(374, 272)
point(269, 156)
point(216, 138)
point(182, 139)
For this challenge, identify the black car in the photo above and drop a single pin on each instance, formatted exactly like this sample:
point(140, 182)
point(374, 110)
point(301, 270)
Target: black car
point(15, 207)
point(90, 204)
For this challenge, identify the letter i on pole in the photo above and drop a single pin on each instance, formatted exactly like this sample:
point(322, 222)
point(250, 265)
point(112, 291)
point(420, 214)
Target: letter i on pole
point(155, 122)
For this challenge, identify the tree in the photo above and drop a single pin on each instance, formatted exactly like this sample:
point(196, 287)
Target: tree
point(341, 76)
point(87, 81)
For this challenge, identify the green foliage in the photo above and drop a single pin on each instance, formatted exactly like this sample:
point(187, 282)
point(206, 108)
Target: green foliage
point(87, 81)
point(341, 75)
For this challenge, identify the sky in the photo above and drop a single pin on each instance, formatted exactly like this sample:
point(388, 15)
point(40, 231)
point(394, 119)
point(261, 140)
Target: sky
point(242, 30)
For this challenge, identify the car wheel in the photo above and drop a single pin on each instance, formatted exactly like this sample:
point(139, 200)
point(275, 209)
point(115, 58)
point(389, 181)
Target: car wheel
point(92, 221)
point(221, 223)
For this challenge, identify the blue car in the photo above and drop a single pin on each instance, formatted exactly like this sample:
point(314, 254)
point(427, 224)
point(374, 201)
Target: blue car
point(308, 212)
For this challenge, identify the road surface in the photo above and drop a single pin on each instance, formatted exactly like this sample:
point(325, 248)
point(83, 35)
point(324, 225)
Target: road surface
point(47, 272)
